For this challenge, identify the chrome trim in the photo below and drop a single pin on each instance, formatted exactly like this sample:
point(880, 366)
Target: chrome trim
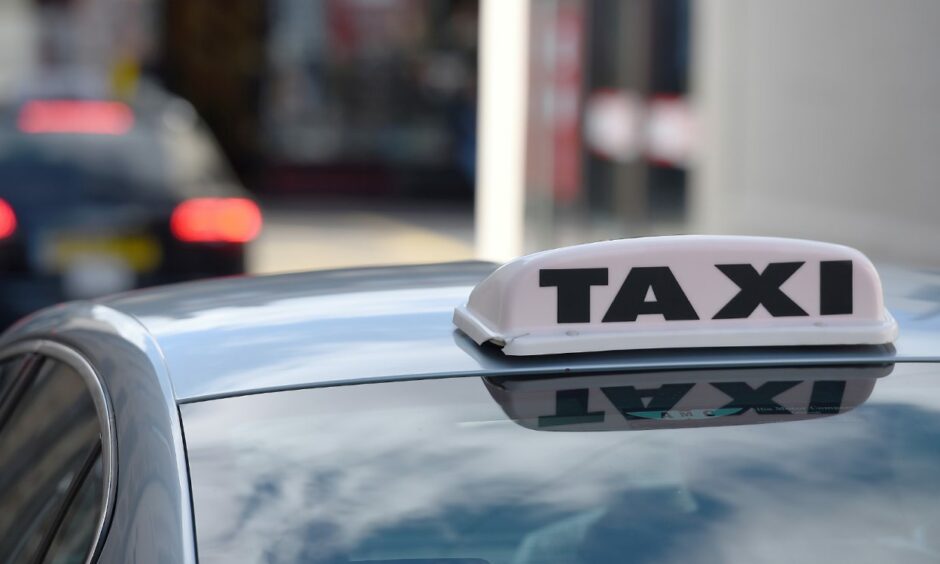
point(99, 394)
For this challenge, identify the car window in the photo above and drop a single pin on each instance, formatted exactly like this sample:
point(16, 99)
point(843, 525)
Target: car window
point(435, 471)
point(45, 171)
point(8, 370)
point(70, 545)
point(49, 440)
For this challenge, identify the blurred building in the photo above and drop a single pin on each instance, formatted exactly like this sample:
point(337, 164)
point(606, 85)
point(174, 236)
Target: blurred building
point(800, 118)
point(601, 122)
point(609, 78)
point(79, 41)
point(213, 54)
point(17, 52)
point(305, 96)
point(334, 96)
point(371, 96)
point(821, 120)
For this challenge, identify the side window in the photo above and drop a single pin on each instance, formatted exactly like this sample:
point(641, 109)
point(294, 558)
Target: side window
point(50, 463)
point(8, 371)
point(72, 541)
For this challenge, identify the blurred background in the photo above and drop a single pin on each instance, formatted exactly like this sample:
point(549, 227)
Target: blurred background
point(151, 141)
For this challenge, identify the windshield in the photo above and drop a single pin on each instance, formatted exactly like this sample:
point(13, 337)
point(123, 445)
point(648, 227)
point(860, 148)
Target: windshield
point(435, 471)
point(49, 169)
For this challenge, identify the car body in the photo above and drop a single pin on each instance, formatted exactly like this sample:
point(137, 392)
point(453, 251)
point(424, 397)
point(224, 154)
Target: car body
point(99, 195)
point(339, 416)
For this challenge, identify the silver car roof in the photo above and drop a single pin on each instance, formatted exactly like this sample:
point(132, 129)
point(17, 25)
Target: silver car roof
point(252, 334)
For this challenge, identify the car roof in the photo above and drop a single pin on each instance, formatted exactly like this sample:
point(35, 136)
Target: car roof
point(244, 335)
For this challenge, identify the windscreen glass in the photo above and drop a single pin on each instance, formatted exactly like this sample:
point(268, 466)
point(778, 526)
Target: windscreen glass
point(435, 471)
point(59, 169)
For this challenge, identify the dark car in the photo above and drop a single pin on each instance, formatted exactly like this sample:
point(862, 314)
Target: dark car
point(99, 196)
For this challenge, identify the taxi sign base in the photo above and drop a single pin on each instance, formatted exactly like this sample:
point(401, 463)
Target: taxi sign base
point(528, 344)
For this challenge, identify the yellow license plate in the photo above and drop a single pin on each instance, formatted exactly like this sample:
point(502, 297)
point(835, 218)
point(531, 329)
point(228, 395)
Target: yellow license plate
point(141, 253)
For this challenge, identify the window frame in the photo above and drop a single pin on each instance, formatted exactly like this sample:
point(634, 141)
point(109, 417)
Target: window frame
point(44, 348)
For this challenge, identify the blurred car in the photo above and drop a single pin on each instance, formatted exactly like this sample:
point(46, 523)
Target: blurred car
point(340, 417)
point(99, 196)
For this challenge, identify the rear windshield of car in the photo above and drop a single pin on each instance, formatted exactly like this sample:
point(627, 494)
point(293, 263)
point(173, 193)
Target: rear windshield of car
point(148, 161)
point(51, 167)
point(435, 471)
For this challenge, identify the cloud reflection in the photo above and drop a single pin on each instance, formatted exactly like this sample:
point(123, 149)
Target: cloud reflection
point(393, 471)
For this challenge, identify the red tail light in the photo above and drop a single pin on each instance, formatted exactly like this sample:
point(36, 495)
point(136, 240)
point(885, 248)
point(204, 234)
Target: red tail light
point(75, 116)
point(7, 220)
point(216, 220)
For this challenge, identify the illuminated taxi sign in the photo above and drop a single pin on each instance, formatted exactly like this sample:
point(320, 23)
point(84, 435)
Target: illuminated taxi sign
point(685, 398)
point(682, 291)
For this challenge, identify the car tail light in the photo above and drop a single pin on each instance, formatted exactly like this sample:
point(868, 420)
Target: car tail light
point(216, 220)
point(75, 116)
point(7, 220)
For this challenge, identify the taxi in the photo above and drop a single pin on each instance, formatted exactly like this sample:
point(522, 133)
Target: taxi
point(672, 399)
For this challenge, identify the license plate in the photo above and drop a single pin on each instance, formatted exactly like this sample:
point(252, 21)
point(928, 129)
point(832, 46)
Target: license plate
point(139, 252)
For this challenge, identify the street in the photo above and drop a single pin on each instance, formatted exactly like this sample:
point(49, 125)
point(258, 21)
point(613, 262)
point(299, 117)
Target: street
point(321, 235)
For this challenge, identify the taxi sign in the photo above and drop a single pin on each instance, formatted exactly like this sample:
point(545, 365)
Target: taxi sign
point(677, 292)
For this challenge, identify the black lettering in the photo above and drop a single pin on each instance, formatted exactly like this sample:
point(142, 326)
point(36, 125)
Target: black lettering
point(570, 409)
point(835, 287)
point(574, 290)
point(759, 289)
point(628, 399)
point(826, 397)
point(630, 301)
point(761, 400)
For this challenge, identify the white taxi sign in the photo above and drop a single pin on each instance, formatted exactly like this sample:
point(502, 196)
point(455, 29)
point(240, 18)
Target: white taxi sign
point(679, 291)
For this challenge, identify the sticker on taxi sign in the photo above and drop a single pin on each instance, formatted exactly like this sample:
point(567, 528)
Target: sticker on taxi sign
point(680, 291)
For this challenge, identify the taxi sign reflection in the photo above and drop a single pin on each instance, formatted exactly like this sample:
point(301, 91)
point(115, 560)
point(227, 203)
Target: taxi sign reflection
point(688, 398)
